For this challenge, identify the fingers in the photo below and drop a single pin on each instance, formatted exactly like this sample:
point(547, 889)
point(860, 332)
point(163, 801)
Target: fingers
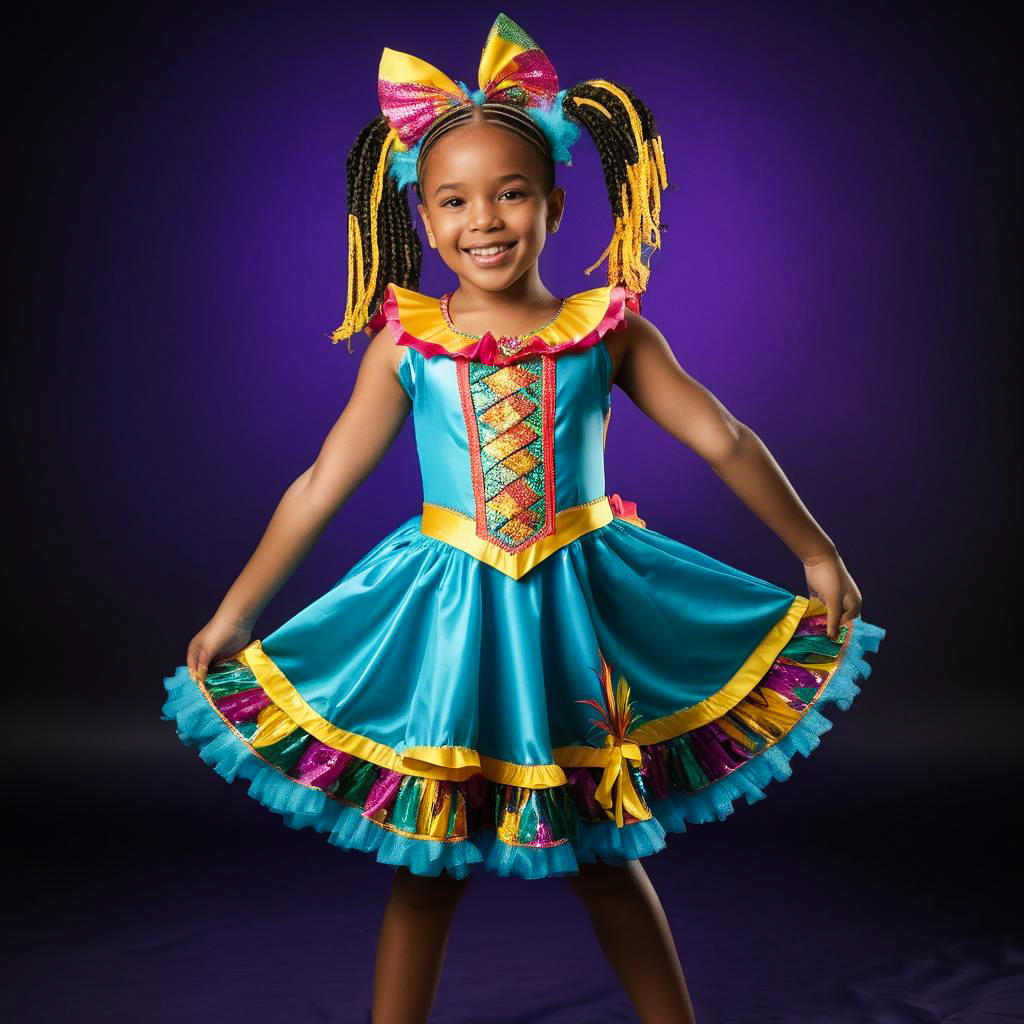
point(831, 604)
point(851, 609)
point(852, 606)
point(198, 661)
point(833, 620)
point(201, 668)
point(840, 597)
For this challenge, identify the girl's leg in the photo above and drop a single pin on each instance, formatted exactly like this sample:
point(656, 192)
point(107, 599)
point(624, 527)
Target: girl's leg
point(412, 944)
point(632, 930)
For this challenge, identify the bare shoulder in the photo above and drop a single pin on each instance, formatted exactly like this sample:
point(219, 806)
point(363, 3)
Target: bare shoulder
point(377, 378)
point(382, 351)
point(636, 332)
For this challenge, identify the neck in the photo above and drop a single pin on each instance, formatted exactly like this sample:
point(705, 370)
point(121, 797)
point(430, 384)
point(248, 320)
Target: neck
point(526, 295)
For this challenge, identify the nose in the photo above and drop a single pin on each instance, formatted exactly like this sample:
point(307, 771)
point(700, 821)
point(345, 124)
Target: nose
point(484, 216)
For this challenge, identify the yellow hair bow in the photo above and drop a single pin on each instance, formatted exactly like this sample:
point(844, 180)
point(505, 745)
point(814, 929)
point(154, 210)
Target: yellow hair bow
point(513, 69)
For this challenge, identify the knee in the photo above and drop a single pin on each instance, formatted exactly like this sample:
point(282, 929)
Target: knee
point(428, 892)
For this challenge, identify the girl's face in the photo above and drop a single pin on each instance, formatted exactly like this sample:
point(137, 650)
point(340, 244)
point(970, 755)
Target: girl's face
point(484, 187)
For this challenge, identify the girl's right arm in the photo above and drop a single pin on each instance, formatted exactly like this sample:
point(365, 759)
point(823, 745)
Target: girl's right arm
point(362, 435)
point(646, 369)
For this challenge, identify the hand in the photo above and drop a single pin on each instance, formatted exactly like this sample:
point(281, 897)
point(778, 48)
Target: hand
point(830, 583)
point(219, 638)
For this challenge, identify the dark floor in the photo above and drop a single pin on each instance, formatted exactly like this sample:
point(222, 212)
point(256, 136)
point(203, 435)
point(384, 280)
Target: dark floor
point(850, 894)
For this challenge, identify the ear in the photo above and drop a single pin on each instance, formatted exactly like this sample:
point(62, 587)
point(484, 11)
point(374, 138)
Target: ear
point(426, 225)
point(556, 207)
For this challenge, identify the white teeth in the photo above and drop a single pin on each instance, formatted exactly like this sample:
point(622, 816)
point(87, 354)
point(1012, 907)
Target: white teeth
point(491, 250)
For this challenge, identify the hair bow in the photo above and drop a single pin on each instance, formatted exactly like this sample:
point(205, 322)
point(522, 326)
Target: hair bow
point(513, 69)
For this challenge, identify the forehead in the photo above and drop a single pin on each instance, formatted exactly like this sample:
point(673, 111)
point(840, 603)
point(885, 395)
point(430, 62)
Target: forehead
point(479, 152)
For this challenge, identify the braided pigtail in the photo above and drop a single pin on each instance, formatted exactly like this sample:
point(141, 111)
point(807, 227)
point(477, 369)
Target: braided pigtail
point(383, 245)
point(627, 140)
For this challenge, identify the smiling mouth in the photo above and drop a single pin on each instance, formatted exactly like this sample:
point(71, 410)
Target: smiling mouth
point(489, 250)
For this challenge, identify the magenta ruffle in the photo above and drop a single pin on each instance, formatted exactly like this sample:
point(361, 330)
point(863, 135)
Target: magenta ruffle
point(486, 349)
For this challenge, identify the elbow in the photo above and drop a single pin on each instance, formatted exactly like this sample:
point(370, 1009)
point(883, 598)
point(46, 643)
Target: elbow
point(727, 438)
point(305, 483)
point(315, 492)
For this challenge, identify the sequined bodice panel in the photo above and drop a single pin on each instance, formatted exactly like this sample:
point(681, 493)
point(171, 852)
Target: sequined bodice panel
point(513, 444)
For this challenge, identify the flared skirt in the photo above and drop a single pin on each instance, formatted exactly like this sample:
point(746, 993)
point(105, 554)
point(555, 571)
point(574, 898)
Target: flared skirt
point(440, 714)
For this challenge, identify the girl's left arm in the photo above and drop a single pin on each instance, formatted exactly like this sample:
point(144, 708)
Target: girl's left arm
point(647, 370)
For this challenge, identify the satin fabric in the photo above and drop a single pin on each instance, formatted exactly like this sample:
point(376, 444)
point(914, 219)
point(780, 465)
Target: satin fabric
point(423, 645)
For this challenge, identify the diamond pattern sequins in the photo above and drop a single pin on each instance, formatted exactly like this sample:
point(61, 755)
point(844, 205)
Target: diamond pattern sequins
point(509, 412)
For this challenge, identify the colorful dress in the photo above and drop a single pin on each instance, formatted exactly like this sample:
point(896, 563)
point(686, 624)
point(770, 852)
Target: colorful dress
point(525, 675)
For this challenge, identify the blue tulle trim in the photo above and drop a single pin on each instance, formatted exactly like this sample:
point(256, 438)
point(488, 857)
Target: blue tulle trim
point(199, 725)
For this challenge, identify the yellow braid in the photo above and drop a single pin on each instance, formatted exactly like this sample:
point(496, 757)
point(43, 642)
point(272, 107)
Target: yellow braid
point(580, 100)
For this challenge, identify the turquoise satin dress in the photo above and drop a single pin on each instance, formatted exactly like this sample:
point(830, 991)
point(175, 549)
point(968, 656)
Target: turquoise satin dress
point(524, 675)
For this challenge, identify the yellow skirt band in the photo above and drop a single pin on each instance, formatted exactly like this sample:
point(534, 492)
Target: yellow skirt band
point(460, 531)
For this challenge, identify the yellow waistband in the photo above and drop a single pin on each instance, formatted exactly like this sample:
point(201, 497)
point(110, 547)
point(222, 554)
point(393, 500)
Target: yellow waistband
point(460, 531)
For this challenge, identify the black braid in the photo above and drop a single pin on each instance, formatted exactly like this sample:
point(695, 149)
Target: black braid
point(399, 247)
point(616, 140)
point(612, 137)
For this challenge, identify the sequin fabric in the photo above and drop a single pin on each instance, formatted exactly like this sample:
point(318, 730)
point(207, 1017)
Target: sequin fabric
point(513, 69)
point(509, 413)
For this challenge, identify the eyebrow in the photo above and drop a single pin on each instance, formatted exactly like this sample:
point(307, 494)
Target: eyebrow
point(458, 184)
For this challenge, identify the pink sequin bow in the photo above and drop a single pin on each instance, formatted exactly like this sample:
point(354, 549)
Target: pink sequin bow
point(513, 69)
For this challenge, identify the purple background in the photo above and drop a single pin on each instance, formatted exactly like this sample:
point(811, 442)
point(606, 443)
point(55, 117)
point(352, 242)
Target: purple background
point(837, 269)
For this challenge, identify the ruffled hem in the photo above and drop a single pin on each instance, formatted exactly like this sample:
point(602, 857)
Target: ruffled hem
point(488, 348)
point(695, 777)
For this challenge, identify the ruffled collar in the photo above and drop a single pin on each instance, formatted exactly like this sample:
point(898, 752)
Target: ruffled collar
point(420, 321)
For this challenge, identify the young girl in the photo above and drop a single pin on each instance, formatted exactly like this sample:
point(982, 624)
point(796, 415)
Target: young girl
point(525, 676)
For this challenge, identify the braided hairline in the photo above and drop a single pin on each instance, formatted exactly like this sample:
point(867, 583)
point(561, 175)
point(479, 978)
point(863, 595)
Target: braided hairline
point(505, 114)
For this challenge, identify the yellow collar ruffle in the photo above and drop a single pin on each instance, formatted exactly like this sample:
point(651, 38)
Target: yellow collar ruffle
point(418, 320)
